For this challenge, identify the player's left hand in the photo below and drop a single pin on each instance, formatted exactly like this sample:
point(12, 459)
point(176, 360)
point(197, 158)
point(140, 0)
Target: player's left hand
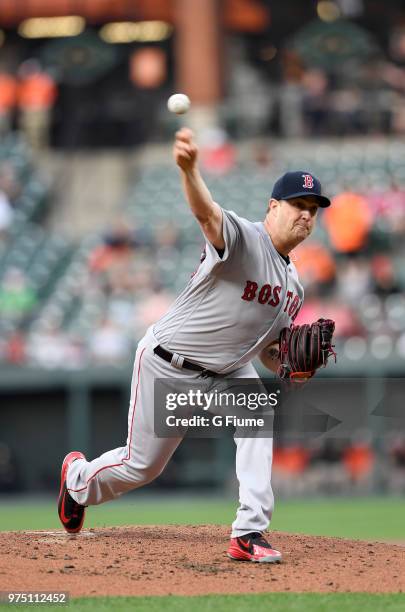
point(304, 349)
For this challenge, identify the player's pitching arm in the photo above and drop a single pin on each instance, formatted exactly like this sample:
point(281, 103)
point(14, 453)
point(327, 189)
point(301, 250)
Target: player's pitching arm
point(269, 356)
point(207, 212)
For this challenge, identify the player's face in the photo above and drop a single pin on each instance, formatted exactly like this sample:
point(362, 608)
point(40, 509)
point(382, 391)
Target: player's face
point(300, 215)
point(296, 218)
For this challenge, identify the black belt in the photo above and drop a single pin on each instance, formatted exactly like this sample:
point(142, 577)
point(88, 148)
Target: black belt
point(168, 356)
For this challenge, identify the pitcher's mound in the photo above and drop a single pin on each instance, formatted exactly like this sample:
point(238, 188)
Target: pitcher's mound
point(191, 560)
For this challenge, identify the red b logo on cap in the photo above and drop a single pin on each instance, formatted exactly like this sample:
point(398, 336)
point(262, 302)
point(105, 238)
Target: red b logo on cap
point(308, 181)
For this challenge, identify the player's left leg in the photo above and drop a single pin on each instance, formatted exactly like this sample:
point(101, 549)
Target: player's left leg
point(253, 469)
point(254, 457)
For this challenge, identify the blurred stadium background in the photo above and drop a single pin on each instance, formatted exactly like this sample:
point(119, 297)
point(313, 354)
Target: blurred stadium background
point(96, 239)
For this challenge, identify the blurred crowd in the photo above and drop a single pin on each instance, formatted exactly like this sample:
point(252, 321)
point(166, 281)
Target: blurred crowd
point(311, 78)
point(119, 294)
point(341, 78)
point(367, 99)
point(341, 466)
point(26, 102)
point(10, 190)
point(351, 268)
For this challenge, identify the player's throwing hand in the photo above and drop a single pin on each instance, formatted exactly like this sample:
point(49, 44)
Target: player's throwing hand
point(185, 150)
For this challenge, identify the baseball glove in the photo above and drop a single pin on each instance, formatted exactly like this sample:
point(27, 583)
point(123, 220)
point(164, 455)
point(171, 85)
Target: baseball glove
point(304, 349)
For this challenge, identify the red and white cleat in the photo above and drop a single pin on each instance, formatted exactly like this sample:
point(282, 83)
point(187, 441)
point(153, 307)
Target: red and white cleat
point(71, 514)
point(253, 547)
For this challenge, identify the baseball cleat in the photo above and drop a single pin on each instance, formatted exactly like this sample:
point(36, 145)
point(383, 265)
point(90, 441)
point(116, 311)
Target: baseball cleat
point(253, 547)
point(71, 513)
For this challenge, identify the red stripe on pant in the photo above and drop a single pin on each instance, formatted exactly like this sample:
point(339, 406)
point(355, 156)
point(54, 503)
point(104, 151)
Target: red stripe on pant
point(129, 438)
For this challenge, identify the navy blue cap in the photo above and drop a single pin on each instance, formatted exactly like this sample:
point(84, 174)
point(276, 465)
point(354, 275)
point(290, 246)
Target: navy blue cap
point(297, 184)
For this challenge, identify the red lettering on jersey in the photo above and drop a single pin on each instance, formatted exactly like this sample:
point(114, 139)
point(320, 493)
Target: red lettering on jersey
point(296, 312)
point(271, 296)
point(265, 294)
point(275, 301)
point(249, 293)
point(293, 306)
point(289, 296)
point(308, 181)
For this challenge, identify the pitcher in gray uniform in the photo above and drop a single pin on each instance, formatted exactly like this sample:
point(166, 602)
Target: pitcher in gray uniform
point(245, 291)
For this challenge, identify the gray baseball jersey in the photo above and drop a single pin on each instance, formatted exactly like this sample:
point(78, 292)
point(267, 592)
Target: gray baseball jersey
point(236, 305)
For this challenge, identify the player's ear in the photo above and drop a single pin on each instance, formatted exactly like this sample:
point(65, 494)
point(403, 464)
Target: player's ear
point(272, 204)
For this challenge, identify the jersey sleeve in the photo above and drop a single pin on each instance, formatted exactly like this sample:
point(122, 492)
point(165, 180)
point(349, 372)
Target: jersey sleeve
point(231, 235)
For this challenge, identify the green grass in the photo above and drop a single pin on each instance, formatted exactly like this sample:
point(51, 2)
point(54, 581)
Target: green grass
point(361, 518)
point(276, 602)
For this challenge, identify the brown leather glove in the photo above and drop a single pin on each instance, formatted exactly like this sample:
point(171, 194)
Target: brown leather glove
point(304, 349)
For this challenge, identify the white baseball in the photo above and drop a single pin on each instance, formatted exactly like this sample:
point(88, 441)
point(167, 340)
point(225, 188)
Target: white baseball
point(178, 103)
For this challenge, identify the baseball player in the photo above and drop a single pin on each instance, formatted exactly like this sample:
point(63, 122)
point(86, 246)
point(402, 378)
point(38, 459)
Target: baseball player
point(245, 291)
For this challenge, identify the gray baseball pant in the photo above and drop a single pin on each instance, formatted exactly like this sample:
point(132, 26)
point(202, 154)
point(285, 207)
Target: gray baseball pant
point(145, 456)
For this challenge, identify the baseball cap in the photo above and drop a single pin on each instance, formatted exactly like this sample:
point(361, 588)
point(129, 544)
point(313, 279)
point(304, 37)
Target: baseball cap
point(299, 183)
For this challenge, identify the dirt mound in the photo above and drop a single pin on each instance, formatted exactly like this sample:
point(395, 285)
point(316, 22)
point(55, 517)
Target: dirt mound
point(190, 560)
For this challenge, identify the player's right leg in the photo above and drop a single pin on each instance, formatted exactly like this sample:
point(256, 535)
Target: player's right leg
point(144, 457)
